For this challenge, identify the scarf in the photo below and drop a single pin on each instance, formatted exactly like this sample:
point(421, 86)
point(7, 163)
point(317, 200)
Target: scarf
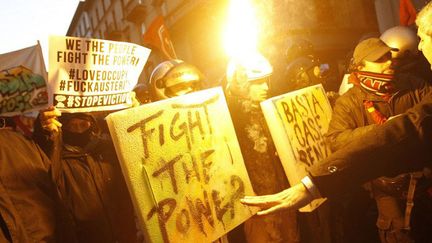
point(376, 83)
point(376, 115)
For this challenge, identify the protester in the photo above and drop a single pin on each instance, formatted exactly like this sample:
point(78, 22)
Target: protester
point(378, 94)
point(30, 208)
point(247, 85)
point(88, 177)
point(400, 144)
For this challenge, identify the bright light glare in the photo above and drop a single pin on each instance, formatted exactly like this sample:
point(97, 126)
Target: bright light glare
point(241, 31)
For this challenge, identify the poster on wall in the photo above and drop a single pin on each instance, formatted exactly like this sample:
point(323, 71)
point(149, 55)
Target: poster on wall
point(298, 121)
point(23, 86)
point(183, 167)
point(93, 75)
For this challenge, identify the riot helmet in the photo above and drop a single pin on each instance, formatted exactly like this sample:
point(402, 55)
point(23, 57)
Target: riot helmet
point(303, 72)
point(298, 47)
point(402, 38)
point(242, 73)
point(173, 78)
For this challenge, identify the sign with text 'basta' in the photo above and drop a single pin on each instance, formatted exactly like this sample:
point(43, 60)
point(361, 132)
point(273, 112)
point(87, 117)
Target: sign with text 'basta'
point(298, 121)
point(183, 166)
point(93, 75)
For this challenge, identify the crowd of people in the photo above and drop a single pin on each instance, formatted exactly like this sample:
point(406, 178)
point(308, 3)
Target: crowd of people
point(389, 142)
point(63, 182)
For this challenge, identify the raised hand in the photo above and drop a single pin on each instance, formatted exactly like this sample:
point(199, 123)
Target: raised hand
point(48, 119)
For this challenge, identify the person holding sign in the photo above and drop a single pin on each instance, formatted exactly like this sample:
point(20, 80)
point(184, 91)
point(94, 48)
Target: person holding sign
point(86, 172)
point(30, 208)
point(401, 144)
point(247, 85)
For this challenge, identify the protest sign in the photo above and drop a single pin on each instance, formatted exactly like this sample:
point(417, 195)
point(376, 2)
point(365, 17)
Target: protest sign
point(298, 121)
point(93, 75)
point(22, 81)
point(183, 167)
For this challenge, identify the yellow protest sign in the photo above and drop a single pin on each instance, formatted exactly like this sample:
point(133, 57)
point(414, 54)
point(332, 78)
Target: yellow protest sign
point(183, 167)
point(298, 121)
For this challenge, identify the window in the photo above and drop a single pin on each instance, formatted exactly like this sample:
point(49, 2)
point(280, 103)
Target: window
point(97, 13)
point(94, 21)
point(86, 21)
point(164, 9)
point(106, 4)
point(143, 28)
point(157, 3)
point(82, 29)
point(114, 18)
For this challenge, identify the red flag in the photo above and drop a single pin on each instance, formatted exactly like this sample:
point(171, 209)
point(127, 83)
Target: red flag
point(407, 13)
point(157, 37)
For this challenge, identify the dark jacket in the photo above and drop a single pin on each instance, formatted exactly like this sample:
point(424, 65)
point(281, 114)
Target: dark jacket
point(92, 187)
point(401, 144)
point(29, 206)
point(265, 172)
point(350, 118)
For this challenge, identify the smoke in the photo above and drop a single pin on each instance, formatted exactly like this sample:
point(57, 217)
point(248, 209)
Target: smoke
point(279, 20)
point(279, 17)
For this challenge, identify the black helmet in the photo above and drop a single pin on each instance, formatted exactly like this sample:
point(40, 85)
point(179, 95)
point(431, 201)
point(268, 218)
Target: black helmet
point(298, 47)
point(303, 72)
point(173, 78)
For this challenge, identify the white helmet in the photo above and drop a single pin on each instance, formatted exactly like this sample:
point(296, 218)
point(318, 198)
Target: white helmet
point(402, 38)
point(240, 72)
point(255, 66)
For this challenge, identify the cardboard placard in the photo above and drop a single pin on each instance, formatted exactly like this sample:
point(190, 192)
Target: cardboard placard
point(23, 86)
point(298, 121)
point(93, 75)
point(183, 167)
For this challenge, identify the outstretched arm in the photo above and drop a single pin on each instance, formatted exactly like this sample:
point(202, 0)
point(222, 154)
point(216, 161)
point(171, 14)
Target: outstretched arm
point(401, 144)
point(292, 198)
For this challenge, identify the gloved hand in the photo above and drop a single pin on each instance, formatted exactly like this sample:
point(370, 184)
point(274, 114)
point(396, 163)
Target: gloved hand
point(48, 119)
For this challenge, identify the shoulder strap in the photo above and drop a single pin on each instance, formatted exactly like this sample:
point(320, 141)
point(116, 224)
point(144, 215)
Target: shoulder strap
point(410, 197)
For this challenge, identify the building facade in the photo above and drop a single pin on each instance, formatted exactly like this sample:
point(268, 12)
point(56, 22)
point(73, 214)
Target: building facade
point(196, 27)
